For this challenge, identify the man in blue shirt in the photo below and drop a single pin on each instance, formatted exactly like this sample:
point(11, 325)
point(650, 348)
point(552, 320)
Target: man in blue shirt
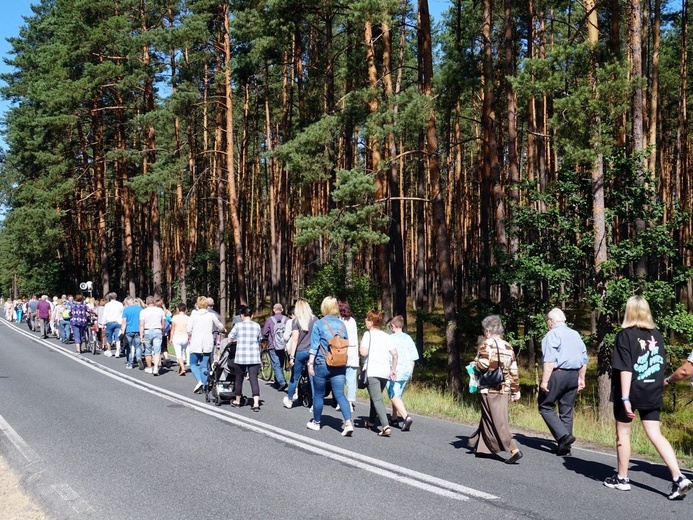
point(130, 326)
point(565, 364)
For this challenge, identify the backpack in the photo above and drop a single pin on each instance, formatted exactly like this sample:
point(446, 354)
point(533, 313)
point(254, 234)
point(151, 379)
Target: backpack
point(66, 314)
point(278, 334)
point(338, 347)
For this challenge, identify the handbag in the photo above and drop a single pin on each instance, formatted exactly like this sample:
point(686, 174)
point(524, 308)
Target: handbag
point(495, 377)
point(362, 378)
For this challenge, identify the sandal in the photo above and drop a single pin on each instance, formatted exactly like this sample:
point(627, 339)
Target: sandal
point(385, 432)
point(394, 422)
point(368, 424)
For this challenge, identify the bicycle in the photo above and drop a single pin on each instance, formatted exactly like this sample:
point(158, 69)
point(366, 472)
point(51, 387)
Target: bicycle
point(265, 363)
point(92, 344)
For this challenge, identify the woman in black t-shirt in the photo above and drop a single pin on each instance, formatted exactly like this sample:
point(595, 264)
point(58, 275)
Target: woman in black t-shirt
point(637, 384)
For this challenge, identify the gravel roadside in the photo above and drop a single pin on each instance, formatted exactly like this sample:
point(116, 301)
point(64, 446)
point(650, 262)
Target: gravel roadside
point(15, 503)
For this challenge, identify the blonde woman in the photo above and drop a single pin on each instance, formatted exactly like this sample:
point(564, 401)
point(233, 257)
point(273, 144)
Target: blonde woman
point(323, 330)
point(200, 328)
point(494, 434)
point(637, 383)
point(298, 347)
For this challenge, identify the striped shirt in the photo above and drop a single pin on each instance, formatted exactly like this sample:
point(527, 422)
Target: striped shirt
point(247, 335)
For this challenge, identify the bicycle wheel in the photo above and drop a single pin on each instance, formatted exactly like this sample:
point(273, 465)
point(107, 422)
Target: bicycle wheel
point(287, 368)
point(265, 365)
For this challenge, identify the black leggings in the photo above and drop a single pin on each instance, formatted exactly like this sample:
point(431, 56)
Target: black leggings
point(240, 375)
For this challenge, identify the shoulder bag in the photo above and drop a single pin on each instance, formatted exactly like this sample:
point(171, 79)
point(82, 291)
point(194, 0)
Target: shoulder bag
point(362, 379)
point(493, 378)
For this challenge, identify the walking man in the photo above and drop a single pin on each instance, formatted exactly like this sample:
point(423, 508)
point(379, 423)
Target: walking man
point(43, 312)
point(565, 364)
point(276, 351)
point(152, 320)
point(112, 317)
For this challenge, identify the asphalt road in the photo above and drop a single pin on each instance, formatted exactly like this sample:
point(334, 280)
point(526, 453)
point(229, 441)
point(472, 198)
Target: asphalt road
point(90, 439)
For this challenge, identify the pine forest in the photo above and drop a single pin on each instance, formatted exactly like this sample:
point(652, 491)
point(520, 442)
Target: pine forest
point(513, 156)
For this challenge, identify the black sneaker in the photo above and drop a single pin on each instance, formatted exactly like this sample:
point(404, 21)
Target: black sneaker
point(140, 363)
point(564, 444)
point(679, 488)
point(615, 482)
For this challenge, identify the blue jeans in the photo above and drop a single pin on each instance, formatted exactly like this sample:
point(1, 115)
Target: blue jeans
point(277, 358)
point(336, 376)
point(112, 332)
point(134, 347)
point(64, 330)
point(80, 334)
point(351, 383)
point(198, 365)
point(152, 342)
point(300, 360)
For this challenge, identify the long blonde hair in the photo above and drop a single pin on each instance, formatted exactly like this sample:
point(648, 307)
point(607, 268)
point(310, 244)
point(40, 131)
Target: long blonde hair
point(303, 314)
point(638, 314)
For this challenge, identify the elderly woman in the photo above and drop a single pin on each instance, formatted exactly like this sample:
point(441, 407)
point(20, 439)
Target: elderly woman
point(637, 383)
point(325, 329)
point(201, 327)
point(494, 434)
point(382, 367)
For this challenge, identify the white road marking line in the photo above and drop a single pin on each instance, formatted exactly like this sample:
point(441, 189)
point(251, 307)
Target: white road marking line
point(64, 491)
point(19, 443)
point(400, 474)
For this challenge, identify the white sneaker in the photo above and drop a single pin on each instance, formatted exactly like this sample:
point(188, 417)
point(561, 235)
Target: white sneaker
point(198, 387)
point(155, 371)
point(348, 430)
point(312, 425)
point(295, 395)
point(108, 353)
point(338, 408)
point(148, 370)
point(616, 482)
point(288, 403)
point(680, 488)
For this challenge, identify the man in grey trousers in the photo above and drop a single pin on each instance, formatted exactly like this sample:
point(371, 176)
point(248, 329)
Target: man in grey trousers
point(565, 364)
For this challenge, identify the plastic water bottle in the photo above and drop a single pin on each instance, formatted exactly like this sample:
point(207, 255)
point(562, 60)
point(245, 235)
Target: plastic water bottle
point(473, 382)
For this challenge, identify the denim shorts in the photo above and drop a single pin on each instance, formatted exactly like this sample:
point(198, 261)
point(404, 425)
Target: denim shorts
point(112, 332)
point(396, 388)
point(152, 341)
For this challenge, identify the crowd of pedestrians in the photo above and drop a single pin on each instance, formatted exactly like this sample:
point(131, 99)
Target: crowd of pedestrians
point(139, 331)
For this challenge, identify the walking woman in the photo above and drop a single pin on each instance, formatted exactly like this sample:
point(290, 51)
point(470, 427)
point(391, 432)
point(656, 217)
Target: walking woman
point(637, 384)
point(324, 330)
point(347, 317)
point(247, 334)
point(179, 336)
point(299, 346)
point(382, 365)
point(200, 328)
point(494, 434)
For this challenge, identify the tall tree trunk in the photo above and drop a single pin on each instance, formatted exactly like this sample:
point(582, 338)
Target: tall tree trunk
point(230, 169)
point(397, 273)
point(439, 220)
point(383, 250)
point(635, 40)
point(149, 157)
point(513, 161)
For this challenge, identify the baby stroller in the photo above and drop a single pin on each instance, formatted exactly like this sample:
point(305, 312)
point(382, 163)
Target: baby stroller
point(305, 392)
point(221, 375)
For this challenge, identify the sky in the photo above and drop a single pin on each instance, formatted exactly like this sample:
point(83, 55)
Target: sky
point(11, 20)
